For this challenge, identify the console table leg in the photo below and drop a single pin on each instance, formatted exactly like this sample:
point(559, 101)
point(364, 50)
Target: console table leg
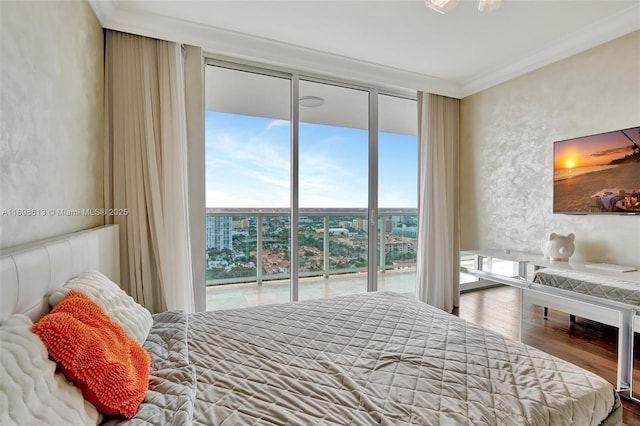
point(625, 354)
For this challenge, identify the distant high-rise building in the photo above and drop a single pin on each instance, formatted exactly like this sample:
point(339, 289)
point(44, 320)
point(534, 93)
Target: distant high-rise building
point(389, 225)
point(360, 224)
point(406, 232)
point(218, 232)
point(241, 224)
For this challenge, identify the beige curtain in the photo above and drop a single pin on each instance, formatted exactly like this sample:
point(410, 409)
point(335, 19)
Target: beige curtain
point(146, 153)
point(438, 254)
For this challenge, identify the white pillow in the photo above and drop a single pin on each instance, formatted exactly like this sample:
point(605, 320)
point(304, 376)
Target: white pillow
point(31, 392)
point(135, 319)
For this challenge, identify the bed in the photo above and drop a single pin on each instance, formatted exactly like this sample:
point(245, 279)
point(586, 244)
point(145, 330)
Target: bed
point(378, 358)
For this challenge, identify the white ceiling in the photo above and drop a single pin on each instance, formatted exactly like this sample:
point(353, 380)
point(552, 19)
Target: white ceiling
point(398, 44)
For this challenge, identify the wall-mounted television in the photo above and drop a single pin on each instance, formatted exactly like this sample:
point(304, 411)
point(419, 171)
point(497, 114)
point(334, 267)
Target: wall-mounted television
point(598, 174)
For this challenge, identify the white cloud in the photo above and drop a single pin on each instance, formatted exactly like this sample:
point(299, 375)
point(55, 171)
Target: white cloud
point(279, 181)
point(277, 123)
point(249, 170)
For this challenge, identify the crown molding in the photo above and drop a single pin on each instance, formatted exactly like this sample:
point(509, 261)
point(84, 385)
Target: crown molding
point(235, 45)
point(103, 9)
point(610, 28)
point(231, 44)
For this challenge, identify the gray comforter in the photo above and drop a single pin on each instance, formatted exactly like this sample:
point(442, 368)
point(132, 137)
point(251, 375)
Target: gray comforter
point(369, 359)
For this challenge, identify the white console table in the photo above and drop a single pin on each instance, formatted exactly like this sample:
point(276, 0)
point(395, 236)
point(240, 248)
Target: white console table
point(610, 312)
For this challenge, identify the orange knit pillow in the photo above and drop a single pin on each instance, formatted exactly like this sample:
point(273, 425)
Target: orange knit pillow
point(94, 352)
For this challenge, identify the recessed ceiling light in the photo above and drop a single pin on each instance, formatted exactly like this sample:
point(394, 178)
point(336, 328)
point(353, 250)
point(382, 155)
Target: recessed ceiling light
point(311, 101)
point(443, 6)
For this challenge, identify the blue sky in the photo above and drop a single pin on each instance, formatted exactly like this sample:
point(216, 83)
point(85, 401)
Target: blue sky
point(248, 164)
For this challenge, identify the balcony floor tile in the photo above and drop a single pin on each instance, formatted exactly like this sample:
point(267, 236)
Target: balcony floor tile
point(231, 296)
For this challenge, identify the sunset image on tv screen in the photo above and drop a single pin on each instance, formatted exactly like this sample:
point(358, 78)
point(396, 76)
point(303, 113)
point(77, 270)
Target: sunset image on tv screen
point(598, 173)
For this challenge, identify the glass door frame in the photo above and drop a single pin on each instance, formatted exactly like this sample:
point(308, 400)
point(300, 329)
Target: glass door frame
point(372, 199)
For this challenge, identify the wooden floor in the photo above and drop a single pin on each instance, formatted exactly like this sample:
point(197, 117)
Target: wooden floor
point(586, 343)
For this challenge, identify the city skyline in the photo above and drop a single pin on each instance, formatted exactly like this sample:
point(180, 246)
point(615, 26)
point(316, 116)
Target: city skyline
point(234, 251)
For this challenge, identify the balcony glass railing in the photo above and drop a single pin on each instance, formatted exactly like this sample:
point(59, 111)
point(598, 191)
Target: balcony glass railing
point(253, 245)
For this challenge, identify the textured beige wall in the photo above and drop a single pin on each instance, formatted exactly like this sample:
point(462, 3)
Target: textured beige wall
point(506, 164)
point(51, 117)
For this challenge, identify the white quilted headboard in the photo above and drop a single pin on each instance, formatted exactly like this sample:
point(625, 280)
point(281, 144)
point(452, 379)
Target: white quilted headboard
point(31, 271)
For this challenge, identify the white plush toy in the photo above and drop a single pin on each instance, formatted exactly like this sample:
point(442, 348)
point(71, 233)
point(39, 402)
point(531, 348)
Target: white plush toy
point(558, 247)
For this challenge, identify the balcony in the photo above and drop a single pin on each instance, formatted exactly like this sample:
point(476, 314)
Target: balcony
point(248, 254)
point(401, 280)
point(241, 295)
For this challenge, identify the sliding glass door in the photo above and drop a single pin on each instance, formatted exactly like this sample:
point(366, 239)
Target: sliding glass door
point(397, 193)
point(247, 166)
point(338, 161)
point(333, 188)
